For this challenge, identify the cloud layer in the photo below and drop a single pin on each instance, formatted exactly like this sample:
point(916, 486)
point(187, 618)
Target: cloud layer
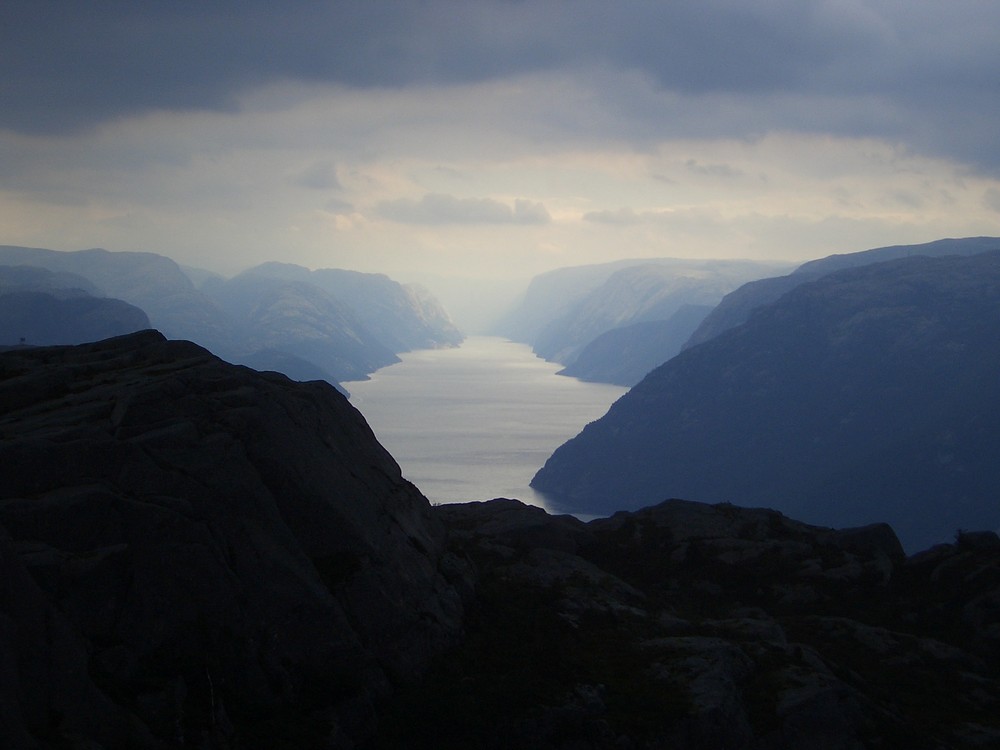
point(485, 136)
point(924, 72)
point(436, 208)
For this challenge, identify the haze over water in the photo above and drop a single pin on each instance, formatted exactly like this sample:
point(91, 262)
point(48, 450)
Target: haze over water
point(477, 422)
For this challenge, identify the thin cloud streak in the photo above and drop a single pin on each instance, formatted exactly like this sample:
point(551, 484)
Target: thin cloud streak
point(437, 208)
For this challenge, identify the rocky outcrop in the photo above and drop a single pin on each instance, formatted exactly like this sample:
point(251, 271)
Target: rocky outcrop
point(692, 626)
point(196, 554)
point(867, 395)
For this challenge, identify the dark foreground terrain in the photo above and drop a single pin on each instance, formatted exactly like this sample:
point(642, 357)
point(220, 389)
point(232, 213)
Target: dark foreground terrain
point(194, 554)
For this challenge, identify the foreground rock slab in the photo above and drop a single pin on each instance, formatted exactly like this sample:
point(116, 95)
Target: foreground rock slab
point(197, 554)
point(687, 625)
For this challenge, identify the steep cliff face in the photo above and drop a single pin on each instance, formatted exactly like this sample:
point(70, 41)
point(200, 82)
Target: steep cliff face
point(196, 553)
point(869, 394)
point(566, 309)
point(399, 317)
point(624, 356)
point(737, 306)
point(302, 320)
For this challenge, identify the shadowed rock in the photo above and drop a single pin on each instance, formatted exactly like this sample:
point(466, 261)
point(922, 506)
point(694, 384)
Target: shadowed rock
point(227, 557)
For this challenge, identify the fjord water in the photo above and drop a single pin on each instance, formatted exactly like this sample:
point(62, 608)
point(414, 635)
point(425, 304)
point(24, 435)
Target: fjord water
point(476, 422)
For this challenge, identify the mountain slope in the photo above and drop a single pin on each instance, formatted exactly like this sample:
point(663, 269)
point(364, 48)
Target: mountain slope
point(736, 306)
point(400, 317)
point(623, 356)
point(869, 394)
point(40, 307)
point(151, 282)
point(300, 319)
point(196, 554)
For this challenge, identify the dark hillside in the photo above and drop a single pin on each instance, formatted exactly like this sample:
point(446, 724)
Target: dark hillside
point(870, 394)
point(197, 555)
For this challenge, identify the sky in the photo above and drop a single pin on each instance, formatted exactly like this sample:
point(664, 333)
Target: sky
point(496, 139)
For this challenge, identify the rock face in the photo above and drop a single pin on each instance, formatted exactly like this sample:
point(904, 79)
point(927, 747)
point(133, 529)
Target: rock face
point(737, 306)
point(196, 554)
point(693, 626)
point(401, 317)
point(624, 356)
point(869, 394)
point(300, 319)
point(193, 554)
point(566, 309)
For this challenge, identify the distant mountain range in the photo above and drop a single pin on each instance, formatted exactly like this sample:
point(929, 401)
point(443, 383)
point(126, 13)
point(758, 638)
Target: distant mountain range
point(869, 393)
point(566, 310)
point(331, 324)
point(44, 307)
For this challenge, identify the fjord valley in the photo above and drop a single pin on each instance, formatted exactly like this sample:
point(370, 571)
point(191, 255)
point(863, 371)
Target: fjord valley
point(547, 375)
point(200, 554)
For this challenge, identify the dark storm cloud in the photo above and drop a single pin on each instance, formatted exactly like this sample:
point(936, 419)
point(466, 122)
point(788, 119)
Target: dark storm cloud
point(924, 72)
point(437, 208)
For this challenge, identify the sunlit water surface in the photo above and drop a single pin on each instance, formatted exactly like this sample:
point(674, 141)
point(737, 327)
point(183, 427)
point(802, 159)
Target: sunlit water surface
point(477, 422)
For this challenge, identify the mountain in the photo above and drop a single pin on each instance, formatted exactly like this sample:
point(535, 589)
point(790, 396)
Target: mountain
point(31, 279)
point(329, 324)
point(195, 554)
point(40, 319)
point(736, 306)
point(302, 320)
point(402, 318)
point(623, 356)
point(151, 282)
point(564, 310)
point(39, 307)
point(868, 394)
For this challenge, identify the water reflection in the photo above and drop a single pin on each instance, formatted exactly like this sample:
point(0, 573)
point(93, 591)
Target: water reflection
point(477, 422)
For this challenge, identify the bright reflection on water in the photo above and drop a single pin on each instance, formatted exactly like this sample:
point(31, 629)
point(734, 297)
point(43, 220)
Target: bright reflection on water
point(476, 422)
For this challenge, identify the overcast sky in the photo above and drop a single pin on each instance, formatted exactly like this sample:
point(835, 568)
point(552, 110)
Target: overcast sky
point(496, 138)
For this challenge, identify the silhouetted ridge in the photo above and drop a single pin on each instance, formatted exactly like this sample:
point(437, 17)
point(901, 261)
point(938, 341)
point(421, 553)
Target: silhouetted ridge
point(194, 554)
point(223, 556)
